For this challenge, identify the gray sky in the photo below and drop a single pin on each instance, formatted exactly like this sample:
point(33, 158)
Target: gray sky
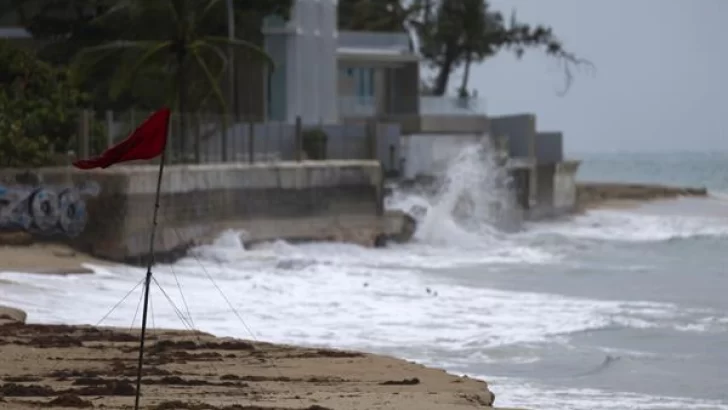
point(660, 80)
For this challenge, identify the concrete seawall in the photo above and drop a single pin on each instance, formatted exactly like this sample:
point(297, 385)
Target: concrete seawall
point(317, 200)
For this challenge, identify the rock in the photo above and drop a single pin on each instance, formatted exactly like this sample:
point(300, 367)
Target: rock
point(399, 226)
point(64, 253)
point(15, 239)
point(593, 193)
point(11, 315)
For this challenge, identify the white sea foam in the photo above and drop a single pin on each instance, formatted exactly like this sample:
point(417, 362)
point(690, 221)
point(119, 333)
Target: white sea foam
point(525, 394)
point(325, 301)
point(632, 226)
point(336, 295)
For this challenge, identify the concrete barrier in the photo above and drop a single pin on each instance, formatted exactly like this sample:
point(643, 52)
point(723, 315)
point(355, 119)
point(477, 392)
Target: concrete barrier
point(556, 191)
point(315, 200)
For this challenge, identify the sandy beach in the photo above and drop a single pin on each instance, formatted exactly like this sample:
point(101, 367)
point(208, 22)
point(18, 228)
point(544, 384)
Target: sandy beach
point(59, 366)
point(19, 253)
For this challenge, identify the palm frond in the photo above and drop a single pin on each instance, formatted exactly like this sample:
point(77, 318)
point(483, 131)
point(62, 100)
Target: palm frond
point(244, 45)
point(114, 13)
point(213, 81)
point(124, 81)
point(175, 13)
point(118, 46)
point(88, 59)
point(215, 50)
point(210, 5)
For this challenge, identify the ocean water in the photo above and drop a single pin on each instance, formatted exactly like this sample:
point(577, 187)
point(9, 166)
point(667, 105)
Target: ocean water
point(614, 309)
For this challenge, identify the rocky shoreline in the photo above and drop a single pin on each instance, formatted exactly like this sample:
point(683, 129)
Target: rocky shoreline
point(60, 366)
point(591, 195)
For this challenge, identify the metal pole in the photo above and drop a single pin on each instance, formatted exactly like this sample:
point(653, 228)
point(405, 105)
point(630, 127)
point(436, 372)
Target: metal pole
point(232, 91)
point(147, 283)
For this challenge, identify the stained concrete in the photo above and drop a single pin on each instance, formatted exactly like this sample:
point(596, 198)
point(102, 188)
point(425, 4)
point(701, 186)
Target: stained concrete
point(314, 200)
point(556, 190)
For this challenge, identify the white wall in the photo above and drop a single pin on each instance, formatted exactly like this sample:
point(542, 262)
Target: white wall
point(310, 61)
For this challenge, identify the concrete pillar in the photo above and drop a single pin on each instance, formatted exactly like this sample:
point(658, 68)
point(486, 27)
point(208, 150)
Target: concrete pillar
point(533, 182)
point(309, 60)
point(380, 91)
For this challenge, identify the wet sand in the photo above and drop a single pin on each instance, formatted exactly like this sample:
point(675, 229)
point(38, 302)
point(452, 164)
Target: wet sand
point(19, 252)
point(59, 366)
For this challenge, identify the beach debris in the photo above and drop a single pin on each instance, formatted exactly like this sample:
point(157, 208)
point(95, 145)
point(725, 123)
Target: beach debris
point(21, 379)
point(69, 400)
point(20, 390)
point(405, 382)
point(109, 388)
point(181, 405)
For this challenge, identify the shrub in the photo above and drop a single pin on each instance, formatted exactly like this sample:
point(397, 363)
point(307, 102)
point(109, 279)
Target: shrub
point(39, 109)
point(314, 143)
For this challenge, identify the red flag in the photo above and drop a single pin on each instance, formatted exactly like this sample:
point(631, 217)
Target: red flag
point(146, 142)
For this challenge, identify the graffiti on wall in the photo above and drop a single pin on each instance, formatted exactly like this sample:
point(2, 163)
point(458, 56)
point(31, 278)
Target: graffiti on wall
point(45, 210)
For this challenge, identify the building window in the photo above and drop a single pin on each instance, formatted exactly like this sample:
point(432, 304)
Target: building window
point(364, 78)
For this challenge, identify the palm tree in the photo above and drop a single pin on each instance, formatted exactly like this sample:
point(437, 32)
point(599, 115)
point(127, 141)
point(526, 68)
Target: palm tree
point(178, 38)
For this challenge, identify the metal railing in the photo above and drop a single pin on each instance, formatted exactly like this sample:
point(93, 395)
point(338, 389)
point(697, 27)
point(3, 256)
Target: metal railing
point(451, 106)
point(211, 138)
point(357, 106)
point(365, 106)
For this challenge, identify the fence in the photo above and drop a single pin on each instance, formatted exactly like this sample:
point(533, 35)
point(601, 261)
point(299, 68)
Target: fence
point(210, 138)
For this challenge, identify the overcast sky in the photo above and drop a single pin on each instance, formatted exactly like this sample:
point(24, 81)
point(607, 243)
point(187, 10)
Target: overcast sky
point(660, 82)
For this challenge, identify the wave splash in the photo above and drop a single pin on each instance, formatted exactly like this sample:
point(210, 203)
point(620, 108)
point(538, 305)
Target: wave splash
point(470, 199)
point(470, 202)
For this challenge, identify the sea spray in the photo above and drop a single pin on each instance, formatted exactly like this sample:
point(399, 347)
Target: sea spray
point(469, 196)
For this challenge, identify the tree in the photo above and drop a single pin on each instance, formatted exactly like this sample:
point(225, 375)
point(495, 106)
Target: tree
point(174, 39)
point(455, 33)
point(39, 109)
point(66, 27)
point(373, 15)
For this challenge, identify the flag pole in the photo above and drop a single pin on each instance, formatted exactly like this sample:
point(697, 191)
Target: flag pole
point(148, 279)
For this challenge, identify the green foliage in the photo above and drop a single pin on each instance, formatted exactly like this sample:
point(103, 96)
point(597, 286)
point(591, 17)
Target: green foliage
point(132, 53)
point(368, 15)
point(16, 148)
point(39, 109)
point(166, 37)
point(314, 143)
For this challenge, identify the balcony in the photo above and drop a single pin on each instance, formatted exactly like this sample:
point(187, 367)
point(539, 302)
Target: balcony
point(393, 42)
point(355, 106)
point(451, 106)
